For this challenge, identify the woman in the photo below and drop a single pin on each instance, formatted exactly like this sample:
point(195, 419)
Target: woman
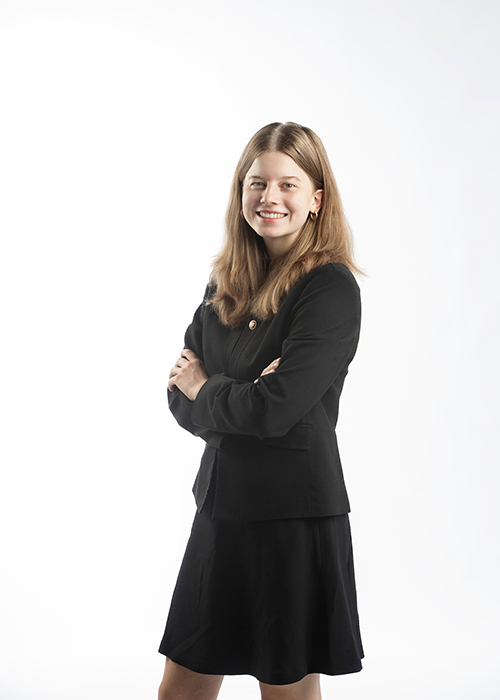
point(267, 586)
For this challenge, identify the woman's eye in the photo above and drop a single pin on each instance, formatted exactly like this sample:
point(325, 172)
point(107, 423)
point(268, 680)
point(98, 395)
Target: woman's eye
point(257, 184)
point(288, 185)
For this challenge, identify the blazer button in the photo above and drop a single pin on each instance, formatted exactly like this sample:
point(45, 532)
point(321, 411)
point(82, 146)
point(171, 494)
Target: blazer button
point(252, 325)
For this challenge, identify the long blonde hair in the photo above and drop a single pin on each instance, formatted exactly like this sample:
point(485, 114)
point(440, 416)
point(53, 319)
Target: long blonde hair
point(247, 282)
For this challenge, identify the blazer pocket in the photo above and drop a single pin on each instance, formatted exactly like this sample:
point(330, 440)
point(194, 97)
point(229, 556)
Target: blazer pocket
point(298, 438)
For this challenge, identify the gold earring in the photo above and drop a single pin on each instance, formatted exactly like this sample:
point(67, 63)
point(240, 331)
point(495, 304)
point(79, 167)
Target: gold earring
point(313, 214)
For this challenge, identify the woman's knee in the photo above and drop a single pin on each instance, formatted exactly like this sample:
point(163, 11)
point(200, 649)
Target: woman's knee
point(306, 689)
point(179, 683)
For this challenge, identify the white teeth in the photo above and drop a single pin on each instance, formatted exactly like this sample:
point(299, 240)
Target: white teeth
point(267, 215)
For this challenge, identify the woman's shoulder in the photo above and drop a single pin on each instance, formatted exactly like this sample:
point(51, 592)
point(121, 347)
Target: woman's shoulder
point(325, 297)
point(334, 275)
point(324, 294)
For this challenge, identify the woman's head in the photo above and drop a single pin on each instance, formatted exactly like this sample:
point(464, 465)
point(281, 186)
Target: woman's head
point(277, 199)
point(306, 150)
point(251, 274)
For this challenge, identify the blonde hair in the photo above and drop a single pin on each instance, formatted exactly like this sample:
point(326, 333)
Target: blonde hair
point(247, 282)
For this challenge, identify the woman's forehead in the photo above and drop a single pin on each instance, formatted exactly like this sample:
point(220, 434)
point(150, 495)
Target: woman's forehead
point(275, 163)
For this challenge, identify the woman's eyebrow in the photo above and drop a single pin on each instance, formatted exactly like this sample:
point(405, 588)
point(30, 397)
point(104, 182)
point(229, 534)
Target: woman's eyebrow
point(285, 177)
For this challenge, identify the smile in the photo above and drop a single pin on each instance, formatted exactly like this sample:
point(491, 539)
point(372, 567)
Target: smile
point(270, 215)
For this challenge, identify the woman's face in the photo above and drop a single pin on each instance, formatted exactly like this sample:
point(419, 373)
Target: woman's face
point(277, 199)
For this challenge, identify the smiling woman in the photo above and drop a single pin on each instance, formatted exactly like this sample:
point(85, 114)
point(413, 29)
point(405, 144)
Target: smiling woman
point(267, 585)
point(278, 196)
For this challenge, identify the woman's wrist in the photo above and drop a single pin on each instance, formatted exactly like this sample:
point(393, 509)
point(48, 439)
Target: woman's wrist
point(195, 391)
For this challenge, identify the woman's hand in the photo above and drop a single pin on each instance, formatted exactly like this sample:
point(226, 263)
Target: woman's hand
point(188, 375)
point(270, 368)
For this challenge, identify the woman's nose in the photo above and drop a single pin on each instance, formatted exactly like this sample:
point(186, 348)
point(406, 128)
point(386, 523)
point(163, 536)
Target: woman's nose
point(270, 195)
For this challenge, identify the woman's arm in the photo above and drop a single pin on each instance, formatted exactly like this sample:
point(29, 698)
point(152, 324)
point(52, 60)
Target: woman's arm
point(189, 374)
point(178, 403)
point(320, 345)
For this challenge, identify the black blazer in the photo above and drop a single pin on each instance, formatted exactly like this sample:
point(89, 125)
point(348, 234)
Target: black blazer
point(274, 443)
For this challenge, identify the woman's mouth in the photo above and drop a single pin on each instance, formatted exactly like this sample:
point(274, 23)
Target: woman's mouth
point(271, 215)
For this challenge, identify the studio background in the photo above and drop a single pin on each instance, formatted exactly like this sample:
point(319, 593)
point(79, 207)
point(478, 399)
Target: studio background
point(120, 128)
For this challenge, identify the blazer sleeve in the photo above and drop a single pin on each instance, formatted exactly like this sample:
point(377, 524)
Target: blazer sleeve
point(321, 342)
point(178, 403)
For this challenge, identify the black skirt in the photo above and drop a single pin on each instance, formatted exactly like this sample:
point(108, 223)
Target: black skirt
point(275, 599)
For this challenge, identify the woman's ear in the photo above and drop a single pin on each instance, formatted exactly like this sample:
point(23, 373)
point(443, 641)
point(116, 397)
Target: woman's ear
point(318, 199)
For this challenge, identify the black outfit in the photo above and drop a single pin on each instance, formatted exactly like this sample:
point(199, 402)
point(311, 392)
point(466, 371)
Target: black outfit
point(267, 582)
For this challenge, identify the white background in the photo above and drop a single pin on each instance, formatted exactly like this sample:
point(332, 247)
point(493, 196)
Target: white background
point(120, 126)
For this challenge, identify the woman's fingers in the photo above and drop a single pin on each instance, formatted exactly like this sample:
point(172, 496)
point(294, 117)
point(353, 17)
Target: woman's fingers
point(171, 379)
point(179, 364)
point(188, 374)
point(182, 361)
point(269, 369)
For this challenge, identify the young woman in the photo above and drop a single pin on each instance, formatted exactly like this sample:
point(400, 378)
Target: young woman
point(267, 585)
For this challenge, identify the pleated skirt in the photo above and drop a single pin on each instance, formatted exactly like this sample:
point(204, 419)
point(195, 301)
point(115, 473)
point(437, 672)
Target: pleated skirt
point(275, 599)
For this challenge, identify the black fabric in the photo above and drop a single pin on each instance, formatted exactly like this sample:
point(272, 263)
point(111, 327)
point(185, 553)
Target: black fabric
point(274, 440)
point(273, 599)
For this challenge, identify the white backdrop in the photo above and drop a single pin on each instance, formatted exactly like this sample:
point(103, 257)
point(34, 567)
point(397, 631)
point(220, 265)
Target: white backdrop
point(120, 124)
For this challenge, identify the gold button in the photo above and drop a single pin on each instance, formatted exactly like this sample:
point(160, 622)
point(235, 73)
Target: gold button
point(252, 325)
